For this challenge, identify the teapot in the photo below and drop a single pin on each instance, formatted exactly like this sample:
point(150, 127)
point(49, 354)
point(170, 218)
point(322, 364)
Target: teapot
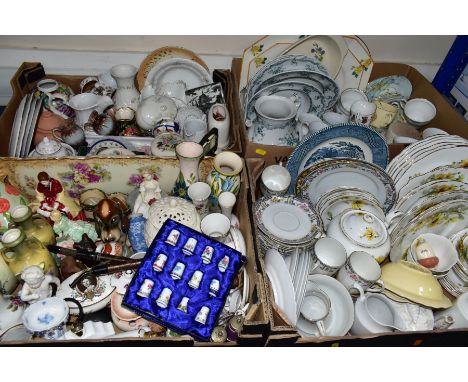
point(277, 122)
point(51, 148)
point(360, 230)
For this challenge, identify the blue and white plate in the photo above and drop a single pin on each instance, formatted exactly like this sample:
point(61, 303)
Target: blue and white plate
point(388, 89)
point(340, 141)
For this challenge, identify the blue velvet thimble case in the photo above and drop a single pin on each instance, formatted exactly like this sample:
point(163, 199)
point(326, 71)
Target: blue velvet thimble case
point(224, 265)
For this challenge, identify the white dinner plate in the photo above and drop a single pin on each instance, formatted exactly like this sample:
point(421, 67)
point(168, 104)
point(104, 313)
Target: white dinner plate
point(30, 129)
point(16, 126)
point(25, 123)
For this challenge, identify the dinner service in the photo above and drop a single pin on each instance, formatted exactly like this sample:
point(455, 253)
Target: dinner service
point(321, 177)
point(328, 256)
point(347, 140)
point(414, 282)
point(315, 308)
point(419, 111)
point(389, 89)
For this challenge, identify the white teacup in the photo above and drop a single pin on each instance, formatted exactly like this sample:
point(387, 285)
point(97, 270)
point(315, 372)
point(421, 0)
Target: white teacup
point(455, 317)
point(328, 257)
point(347, 98)
point(194, 130)
point(216, 226)
point(360, 273)
point(199, 192)
point(362, 112)
point(275, 180)
point(315, 308)
point(419, 111)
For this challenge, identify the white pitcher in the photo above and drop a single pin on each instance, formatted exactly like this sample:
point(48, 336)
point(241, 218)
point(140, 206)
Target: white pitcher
point(84, 104)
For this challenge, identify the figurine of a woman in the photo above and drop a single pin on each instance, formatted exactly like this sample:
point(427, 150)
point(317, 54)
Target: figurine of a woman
point(51, 196)
point(149, 193)
point(37, 285)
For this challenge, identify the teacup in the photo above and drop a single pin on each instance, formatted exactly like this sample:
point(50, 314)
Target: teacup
point(347, 98)
point(362, 112)
point(328, 257)
point(194, 130)
point(199, 192)
point(455, 317)
point(419, 111)
point(315, 308)
point(275, 180)
point(360, 273)
point(384, 114)
point(216, 226)
point(401, 129)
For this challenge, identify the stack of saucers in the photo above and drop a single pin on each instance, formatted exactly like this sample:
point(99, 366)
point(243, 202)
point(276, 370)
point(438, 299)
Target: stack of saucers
point(456, 280)
point(286, 223)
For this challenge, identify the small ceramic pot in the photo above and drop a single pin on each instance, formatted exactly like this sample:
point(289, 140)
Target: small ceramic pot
point(275, 180)
point(327, 257)
point(89, 199)
point(125, 319)
point(153, 110)
point(347, 98)
point(384, 114)
point(199, 192)
point(10, 197)
point(71, 134)
point(52, 148)
point(216, 226)
point(362, 112)
point(419, 111)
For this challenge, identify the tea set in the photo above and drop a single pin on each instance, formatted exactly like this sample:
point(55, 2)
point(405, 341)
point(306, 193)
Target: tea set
point(353, 244)
point(111, 106)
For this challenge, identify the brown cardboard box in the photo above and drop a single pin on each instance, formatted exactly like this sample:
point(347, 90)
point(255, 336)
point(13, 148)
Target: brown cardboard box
point(447, 117)
point(256, 326)
point(29, 73)
point(284, 334)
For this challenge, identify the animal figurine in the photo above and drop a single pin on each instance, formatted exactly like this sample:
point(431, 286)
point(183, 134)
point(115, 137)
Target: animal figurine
point(51, 196)
point(37, 285)
point(111, 220)
point(74, 229)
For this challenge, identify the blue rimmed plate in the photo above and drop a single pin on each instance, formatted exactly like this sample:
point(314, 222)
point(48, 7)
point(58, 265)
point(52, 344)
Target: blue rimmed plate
point(346, 140)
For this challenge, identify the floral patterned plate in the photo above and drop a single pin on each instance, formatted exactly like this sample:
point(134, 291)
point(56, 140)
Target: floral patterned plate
point(439, 173)
point(427, 190)
point(389, 89)
point(443, 219)
point(329, 50)
point(324, 176)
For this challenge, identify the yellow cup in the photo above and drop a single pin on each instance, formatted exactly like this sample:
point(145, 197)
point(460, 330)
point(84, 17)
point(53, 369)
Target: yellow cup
point(384, 115)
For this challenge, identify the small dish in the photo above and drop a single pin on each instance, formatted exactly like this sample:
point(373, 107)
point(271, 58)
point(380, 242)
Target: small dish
point(116, 152)
point(104, 144)
point(419, 111)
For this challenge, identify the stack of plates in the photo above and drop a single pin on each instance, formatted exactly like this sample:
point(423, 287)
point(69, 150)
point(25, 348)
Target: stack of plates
point(286, 223)
point(456, 280)
point(24, 125)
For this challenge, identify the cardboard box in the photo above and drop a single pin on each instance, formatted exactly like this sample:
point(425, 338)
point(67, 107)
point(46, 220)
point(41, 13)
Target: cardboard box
point(447, 117)
point(256, 325)
point(29, 73)
point(282, 332)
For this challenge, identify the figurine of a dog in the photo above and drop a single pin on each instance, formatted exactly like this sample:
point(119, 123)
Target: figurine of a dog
point(111, 220)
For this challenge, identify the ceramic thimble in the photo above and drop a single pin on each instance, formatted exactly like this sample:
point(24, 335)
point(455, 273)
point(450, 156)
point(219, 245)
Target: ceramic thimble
point(164, 298)
point(195, 280)
point(178, 271)
point(183, 304)
point(223, 264)
point(214, 287)
point(173, 237)
point(189, 246)
point(207, 254)
point(160, 262)
point(146, 288)
point(202, 315)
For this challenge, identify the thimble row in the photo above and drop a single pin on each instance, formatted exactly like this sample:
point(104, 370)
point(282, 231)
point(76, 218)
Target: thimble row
point(183, 280)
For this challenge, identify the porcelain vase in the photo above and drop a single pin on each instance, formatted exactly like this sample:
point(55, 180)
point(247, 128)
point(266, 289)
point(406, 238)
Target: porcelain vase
point(189, 155)
point(218, 117)
point(126, 93)
point(225, 175)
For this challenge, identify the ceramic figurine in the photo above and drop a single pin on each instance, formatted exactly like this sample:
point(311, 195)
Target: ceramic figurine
point(111, 220)
point(63, 226)
point(149, 193)
point(37, 285)
point(113, 248)
point(51, 196)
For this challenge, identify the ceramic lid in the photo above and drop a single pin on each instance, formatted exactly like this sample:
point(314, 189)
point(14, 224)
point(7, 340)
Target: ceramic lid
point(363, 228)
point(48, 147)
point(170, 207)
